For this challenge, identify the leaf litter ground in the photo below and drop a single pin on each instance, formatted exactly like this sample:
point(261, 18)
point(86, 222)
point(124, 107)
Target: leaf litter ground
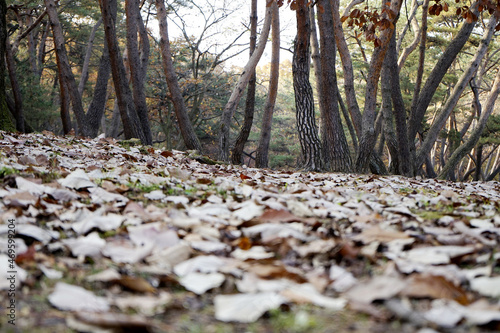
point(116, 237)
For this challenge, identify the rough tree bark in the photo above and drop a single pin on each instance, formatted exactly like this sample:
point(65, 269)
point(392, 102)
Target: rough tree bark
point(130, 120)
point(238, 90)
point(336, 155)
point(262, 157)
point(98, 104)
point(237, 154)
point(186, 127)
point(136, 73)
point(304, 102)
point(399, 112)
point(367, 140)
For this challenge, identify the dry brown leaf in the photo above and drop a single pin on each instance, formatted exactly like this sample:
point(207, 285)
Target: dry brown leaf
point(137, 284)
point(434, 286)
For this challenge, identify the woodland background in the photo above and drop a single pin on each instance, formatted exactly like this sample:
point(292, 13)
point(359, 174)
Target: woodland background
point(412, 90)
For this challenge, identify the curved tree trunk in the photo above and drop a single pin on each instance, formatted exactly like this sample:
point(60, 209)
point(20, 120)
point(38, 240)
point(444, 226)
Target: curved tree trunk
point(452, 101)
point(231, 105)
point(334, 143)
point(262, 157)
point(345, 57)
point(239, 146)
point(304, 102)
point(437, 74)
point(186, 127)
point(464, 149)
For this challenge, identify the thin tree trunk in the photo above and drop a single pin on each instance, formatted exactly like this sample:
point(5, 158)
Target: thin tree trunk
point(345, 57)
point(227, 114)
point(350, 126)
point(304, 102)
point(336, 153)
point(441, 118)
point(64, 67)
point(239, 146)
point(41, 52)
point(262, 156)
point(186, 127)
point(136, 72)
point(16, 90)
point(464, 149)
point(417, 32)
point(86, 61)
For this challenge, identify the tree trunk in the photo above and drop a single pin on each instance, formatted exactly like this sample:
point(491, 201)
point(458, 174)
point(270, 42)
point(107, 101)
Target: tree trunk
point(445, 112)
point(130, 120)
point(345, 57)
point(304, 102)
point(262, 157)
point(367, 141)
point(136, 72)
point(186, 127)
point(16, 90)
point(239, 146)
point(64, 67)
point(96, 108)
point(231, 105)
point(336, 153)
point(5, 120)
point(64, 102)
point(86, 61)
point(387, 114)
point(398, 110)
point(437, 74)
point(464, 149)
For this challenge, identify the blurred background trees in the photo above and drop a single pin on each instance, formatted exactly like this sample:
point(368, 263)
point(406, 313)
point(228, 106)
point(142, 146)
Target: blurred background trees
point(412, 90)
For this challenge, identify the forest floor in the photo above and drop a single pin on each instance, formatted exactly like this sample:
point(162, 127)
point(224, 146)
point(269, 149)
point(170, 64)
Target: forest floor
point(116, 237)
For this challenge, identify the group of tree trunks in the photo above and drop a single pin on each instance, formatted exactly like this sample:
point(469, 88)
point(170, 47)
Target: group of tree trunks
point(325, 149)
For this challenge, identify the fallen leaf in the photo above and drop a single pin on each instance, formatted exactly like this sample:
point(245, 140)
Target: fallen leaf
point(245, 308)
point(64, 295)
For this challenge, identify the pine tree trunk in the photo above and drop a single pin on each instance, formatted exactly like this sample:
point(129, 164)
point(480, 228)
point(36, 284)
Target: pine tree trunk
point(86, 61)
point(96, 108)
point(16, 90)
point(452, 101)
point(262, 157)
point(136, 71)
point(367, 141)
point(474, 137)
point(336, 153)
point(130, 120)
point(186, 127)
point(5, 120)
point(304, 102)
point(67, 77)
point(227, 114)
point(239, 146)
